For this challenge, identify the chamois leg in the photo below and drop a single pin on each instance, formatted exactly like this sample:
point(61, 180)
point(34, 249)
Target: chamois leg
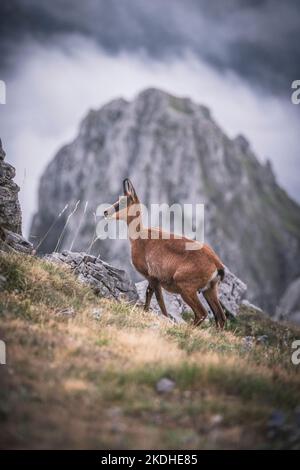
point(160, 300)
point(149, 293)
point(211, 296)
point(193, 301)
point(212, 309)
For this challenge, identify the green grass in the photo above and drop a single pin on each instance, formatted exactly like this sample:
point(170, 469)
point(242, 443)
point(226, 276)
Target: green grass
point(38, 286)
point(86, 382)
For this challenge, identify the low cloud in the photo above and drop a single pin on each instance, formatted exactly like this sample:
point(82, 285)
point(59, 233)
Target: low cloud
point(53, 87)
point(257, 39)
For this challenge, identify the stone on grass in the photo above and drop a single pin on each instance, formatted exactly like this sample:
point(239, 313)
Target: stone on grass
point(248, 342)
point(96, 313)
point(165, 385)
point(105, 280)
point(263, 339)
point(2, 282)
point(67, 312)
point(277, 419)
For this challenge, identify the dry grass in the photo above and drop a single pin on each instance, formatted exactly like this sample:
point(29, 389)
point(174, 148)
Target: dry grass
point(85, 383)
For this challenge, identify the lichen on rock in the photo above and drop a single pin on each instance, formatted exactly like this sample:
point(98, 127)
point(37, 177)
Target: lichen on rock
point(10, 211)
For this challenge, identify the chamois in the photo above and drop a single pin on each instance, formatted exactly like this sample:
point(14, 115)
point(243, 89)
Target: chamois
point(165, 261)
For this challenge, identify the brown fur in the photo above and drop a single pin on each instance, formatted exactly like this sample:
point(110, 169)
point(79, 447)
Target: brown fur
point(165, 262)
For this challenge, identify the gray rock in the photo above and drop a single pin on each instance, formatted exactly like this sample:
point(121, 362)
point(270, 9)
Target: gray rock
point(289, 305)
point(2, 153)
point(11, 241)
point(248, 304)
point(263, 339)
point(10, 210)
point(216, 420)
point(2, 282)
point(67, 312)
point(285, 428)
point(106, 280)
point(277, 419)
point(96, 313)
point(248, 343)
point(165, 385)
point(175, 152)
point(231, 291)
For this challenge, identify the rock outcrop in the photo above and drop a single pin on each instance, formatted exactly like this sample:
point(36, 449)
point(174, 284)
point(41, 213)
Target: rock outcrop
point(232, 291)
point(105, 280)
point(10, 210)
point(174, 152)
point(11, 241)
point(289, 305)
point(112, 283)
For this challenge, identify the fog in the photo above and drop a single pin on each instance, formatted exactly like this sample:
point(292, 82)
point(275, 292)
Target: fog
point(53, 86)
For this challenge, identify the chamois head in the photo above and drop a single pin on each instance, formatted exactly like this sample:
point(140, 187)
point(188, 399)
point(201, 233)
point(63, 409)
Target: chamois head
point(126, 206)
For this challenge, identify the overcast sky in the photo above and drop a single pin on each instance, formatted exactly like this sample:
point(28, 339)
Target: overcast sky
point(60, 58)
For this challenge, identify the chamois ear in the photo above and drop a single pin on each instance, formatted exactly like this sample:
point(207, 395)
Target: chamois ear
point(129, 189)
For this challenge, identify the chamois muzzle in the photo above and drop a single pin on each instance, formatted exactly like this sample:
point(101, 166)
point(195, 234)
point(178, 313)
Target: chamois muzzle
point(110, 211)
point(114, 209)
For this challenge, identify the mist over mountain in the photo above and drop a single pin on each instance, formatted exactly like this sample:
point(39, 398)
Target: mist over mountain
point(61, 58)
point(174, 152)
point(255, 38)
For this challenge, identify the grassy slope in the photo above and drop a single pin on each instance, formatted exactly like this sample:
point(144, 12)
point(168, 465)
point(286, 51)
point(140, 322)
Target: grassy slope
point(85, 382)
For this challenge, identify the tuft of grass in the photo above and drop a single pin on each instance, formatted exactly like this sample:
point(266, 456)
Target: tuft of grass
point(13, 271)
point(253, 323)
point(36, 288)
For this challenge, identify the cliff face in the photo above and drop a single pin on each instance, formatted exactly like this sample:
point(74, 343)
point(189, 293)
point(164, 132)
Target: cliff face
point(174, 152)
point(10, 211)
point(289, 305)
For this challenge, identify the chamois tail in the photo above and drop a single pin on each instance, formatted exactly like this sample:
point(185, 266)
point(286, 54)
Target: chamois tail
point(221, 273)
point(217, 262)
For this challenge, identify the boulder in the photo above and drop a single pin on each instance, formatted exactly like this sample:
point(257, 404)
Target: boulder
point(174, 303)
point(10, 241)
point(105, 280)
point(10, 211)
point(165, 385)
point(232, 291)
